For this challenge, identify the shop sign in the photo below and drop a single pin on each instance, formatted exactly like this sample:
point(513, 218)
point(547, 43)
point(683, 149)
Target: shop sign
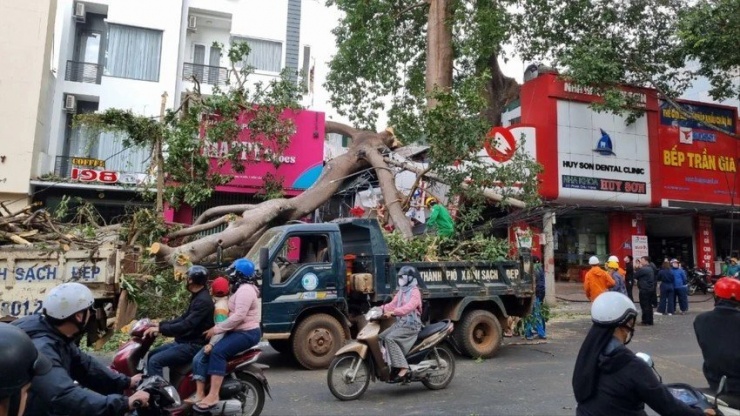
point(639, 246)
point(694, 116)
point(697, 164)
point(705, 242)
point(601, 157)
point(298, 166)
point(92, 175)
point(88, 162)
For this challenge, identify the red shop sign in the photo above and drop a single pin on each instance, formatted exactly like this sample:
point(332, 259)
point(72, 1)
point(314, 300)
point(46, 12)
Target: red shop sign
point(704, 242)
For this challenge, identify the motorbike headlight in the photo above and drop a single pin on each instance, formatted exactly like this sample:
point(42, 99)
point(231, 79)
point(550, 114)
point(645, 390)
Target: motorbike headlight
point(172, 392)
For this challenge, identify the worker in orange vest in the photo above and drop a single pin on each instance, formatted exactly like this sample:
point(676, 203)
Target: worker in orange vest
point(597, 280)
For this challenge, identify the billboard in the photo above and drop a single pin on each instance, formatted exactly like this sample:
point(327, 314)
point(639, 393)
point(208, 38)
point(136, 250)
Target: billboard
point(696, 163)
point(601, 158)
point(300, 163)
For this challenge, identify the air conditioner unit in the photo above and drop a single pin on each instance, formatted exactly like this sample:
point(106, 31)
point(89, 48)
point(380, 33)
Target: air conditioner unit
point(80, 12)
point(70, 103)
point(192, 23)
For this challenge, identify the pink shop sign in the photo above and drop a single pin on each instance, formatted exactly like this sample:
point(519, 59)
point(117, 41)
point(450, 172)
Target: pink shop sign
point(300, 163)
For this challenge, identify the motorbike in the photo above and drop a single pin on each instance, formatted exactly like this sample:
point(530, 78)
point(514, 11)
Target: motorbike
point(430, 361)
point(242, 393)
point(699, 279)
point(702, 398)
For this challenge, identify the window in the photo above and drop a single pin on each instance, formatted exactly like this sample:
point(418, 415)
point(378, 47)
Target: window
point(133, 52)
point(298, 251)
point(264, 55)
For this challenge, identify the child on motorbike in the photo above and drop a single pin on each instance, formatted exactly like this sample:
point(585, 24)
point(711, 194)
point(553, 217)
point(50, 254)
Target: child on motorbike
point(406, 307)
point(220, 293)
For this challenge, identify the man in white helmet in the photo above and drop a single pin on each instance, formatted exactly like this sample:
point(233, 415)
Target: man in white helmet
point(608, 378)
point(67, 308)
point(597, 281)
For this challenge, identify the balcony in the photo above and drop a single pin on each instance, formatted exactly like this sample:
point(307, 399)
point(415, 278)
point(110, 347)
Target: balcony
point(83, 72)
point(205, 74)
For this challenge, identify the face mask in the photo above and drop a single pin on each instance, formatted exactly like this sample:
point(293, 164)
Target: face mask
point(401, 282)
point(630, 335)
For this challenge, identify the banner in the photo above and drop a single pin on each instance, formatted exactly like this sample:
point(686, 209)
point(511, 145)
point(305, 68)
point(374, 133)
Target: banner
point(639, 246)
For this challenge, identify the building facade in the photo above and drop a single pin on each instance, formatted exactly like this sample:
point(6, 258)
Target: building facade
point(663, 185)
point(27, 86)
point(144, 56)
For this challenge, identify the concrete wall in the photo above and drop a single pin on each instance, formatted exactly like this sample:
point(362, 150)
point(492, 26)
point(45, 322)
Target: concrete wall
point(26, 80)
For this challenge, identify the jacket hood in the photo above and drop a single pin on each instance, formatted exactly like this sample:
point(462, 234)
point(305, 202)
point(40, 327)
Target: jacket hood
point(36, 327)
point(614, 357)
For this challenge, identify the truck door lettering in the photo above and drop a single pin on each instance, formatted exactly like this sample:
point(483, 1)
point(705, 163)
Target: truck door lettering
point(4, 273)
point(431, 276)
point(31, 274)
point(86, 272)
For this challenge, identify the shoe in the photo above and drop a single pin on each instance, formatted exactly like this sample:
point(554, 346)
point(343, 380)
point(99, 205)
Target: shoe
point(670, 314)
point(661, 314)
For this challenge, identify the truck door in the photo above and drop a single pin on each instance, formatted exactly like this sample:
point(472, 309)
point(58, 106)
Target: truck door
point(301, 273)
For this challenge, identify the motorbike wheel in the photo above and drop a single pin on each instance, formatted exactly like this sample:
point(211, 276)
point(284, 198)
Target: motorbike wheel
point(253, 399)
point(441, 381)
point(338, 377)
point(692, 289)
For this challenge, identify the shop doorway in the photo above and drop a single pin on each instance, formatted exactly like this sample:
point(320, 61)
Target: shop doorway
point(671, 237)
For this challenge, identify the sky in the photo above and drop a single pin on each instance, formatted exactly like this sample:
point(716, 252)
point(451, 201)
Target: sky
point(323, 46)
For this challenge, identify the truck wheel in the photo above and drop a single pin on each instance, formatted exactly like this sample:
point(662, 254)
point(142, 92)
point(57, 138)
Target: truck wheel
point(316, 340)
point(479, 334)
point(283, 346)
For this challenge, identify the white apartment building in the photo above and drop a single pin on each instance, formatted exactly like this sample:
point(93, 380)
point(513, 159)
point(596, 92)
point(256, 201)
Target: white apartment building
point(26, 88)
point(127, 53)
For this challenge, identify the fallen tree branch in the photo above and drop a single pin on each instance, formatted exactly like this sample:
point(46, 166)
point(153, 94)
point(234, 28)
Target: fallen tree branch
point(487, 192)
point(390, 193)
point(195, 229)
point(341, 128)
point(222, 210)
point(14, 238)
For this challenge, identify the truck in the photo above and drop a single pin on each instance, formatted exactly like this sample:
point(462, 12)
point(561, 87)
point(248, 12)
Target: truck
point(28, 272)
point(318, 280)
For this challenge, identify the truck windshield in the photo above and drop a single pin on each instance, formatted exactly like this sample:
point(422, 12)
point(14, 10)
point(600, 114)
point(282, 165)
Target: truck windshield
point(269, 239)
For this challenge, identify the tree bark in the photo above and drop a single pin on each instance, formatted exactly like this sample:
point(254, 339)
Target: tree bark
point(500, 91)
point(222, 210)
point(439, 49)
point(390, 193)
point(195, 229)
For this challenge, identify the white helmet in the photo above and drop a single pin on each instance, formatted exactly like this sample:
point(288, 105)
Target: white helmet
point(612, 309)
point(593, 261)
point(613, 258)
point(67, 299)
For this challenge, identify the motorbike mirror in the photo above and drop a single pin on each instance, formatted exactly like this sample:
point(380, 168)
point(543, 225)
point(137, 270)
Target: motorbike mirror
point(722, 385)
point(264, 258)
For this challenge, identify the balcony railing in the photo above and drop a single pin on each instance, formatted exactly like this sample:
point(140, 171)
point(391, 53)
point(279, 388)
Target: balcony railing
point(83, 72)
point(205, 74)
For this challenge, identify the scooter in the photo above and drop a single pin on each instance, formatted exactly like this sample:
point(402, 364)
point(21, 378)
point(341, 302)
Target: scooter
point(242, 393)
point(701, 398)
point(430, 361)
point(699, 280)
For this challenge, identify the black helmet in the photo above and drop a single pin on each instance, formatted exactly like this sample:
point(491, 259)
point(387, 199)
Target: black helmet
point(410, 273)
point(19, 360)
point(198, 274)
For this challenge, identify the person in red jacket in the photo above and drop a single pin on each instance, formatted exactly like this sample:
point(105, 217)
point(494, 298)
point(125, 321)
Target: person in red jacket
point(597, 280)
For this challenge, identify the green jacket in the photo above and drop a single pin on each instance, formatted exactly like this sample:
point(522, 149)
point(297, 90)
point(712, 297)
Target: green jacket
point(441, 220)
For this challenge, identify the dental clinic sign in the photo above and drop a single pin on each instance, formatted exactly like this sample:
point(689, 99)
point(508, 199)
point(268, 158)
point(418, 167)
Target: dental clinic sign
point(601, 157)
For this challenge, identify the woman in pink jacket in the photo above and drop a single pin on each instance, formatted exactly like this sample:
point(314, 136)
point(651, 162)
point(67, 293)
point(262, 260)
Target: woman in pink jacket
point(406, 307)
point(241, 329)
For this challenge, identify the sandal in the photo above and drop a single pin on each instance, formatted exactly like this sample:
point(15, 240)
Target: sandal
point(201, 408)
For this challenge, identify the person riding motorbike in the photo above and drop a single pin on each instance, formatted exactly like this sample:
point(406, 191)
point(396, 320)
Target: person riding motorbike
point(187, 329)
point(718, 334)
point(241, 332)
point(76, 384)
point(20, 362)
point(406, 307)
point(608, 378)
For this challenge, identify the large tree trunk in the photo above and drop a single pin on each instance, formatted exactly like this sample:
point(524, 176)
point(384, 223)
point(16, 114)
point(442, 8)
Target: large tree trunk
point(500, 91)
point(439, 48)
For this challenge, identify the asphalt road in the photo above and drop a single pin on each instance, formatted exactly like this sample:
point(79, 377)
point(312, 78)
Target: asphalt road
point(526, 378)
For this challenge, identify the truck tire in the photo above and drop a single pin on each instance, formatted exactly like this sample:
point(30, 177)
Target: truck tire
point(283, 346)
point(479, 334)
point(316, 340)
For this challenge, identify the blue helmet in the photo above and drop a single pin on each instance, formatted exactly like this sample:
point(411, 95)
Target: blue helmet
point(243, 270)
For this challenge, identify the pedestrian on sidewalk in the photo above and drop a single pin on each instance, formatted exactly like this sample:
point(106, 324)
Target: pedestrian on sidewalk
point(680, 283)
point(597, 281)
point(629, 276)
point(535, 324)
point(614, 272)
point(646, 286)
point(667, 301)
point(654, 299)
